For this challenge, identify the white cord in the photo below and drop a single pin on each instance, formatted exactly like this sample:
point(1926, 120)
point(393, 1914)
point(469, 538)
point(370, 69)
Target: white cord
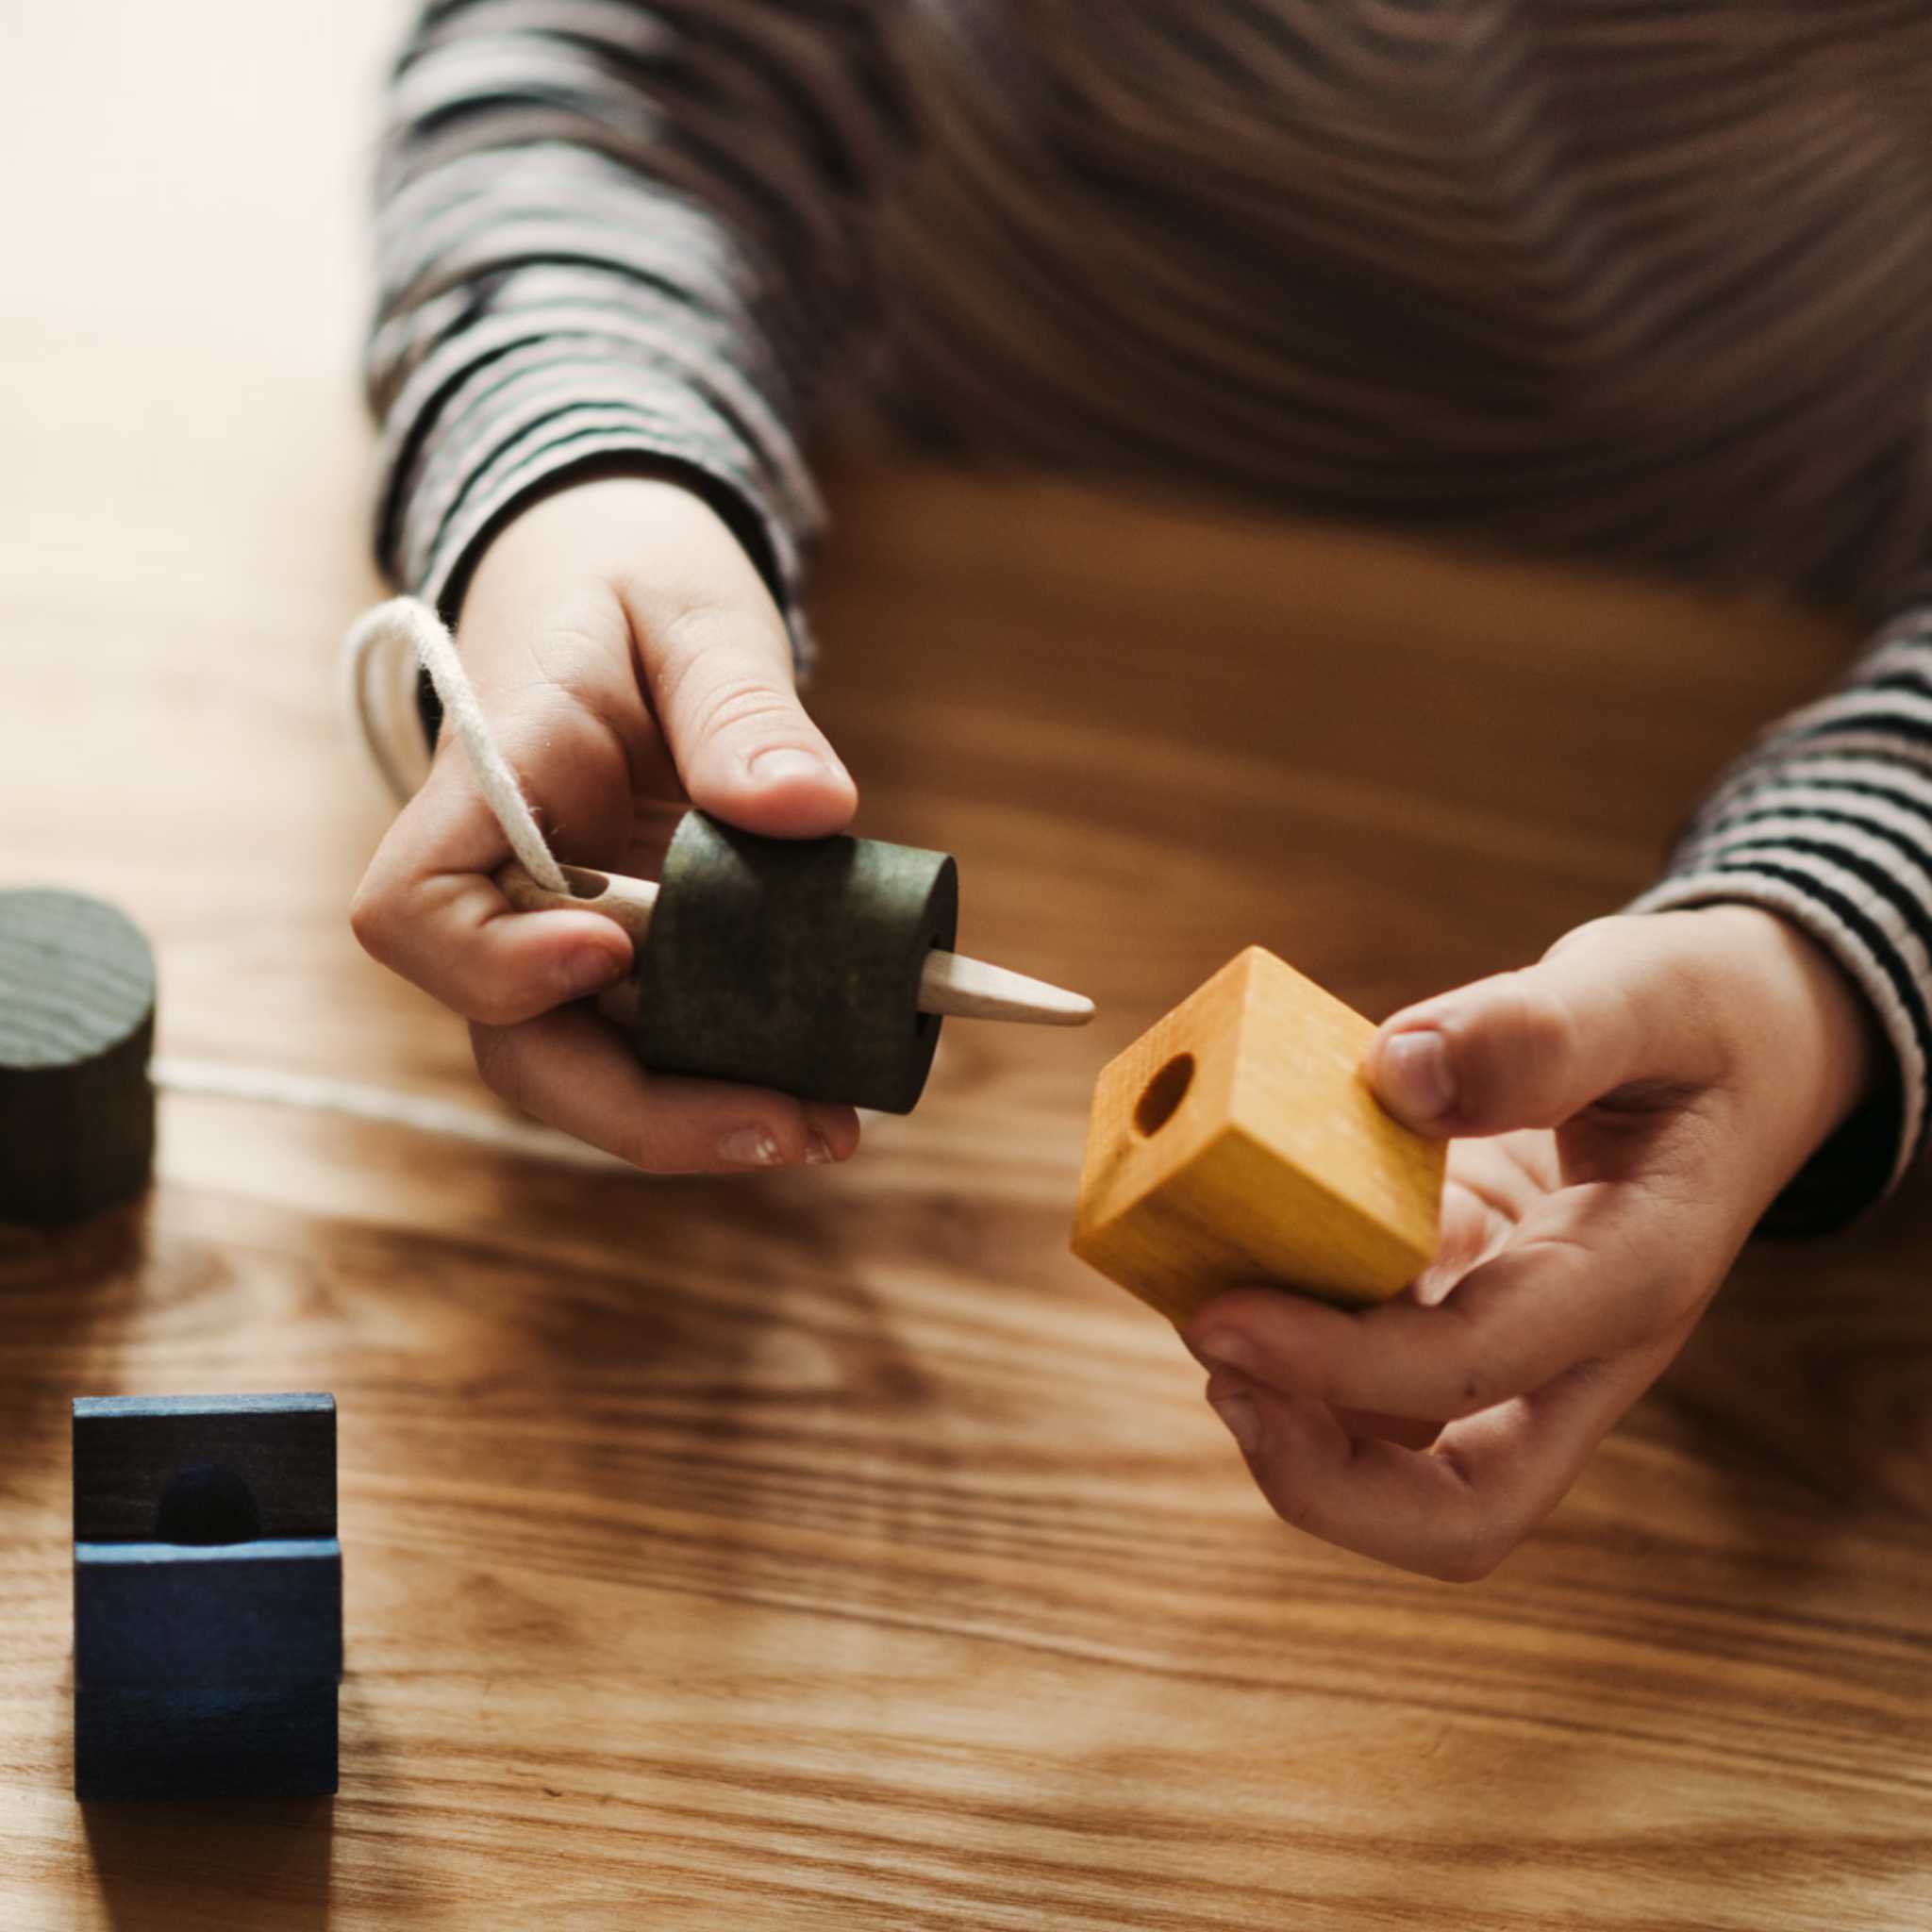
point(408, 619)
point(377, 686)
point(377, 683)
point(317, 1093)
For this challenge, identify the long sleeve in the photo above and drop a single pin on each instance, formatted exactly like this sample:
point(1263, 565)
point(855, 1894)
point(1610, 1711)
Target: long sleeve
point(615, 233)
point(1828, 820)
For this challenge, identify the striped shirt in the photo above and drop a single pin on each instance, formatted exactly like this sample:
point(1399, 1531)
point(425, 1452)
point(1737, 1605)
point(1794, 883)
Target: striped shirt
point(1646, 281)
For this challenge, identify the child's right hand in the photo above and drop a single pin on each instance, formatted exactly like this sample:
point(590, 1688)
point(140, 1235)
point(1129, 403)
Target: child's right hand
point(630, 659)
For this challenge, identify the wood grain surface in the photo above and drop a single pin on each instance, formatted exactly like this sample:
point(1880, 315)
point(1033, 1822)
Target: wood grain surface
point(835, 1551)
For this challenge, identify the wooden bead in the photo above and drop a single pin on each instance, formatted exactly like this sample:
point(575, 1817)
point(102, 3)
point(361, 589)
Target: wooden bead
point(77, 1027)
point(1236, 1144)
point(794, 964)
point(208, 1596)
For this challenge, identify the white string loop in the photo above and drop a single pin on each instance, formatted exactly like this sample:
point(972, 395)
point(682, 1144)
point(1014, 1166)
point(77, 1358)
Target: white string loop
point(379, 691)
point(407, 623)
point(320, 1093)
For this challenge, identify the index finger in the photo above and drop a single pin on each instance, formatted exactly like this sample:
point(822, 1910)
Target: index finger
point(1456, 1509)
point(427, 909)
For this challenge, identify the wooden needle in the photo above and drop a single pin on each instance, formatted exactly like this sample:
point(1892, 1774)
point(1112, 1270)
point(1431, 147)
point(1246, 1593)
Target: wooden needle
point(951, 983)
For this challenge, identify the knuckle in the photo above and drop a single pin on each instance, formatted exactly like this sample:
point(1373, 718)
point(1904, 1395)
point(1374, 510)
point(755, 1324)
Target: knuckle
point(1471, 1537)
point(1468, 1559)
point(1512, 1057)
point(1680, 971)
point(497, 1063)
point(572, 714)
point(478, 989)
point(494, 1007)
point(583, 631)
point(740, 704)
point(1473, 1368)
point(579, 724)
point(577, 735)
point(1510, 1047)
point(1606, 931)
point(369, 918)
point(1542, 1025)
point(1292, 1505)
point(703, 671)
point(580, 642)
point(693, 629)
point(1475, 1394)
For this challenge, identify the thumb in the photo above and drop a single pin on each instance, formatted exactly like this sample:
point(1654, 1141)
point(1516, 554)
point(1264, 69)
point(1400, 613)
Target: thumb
point(722, 686)
point(1614, 1002)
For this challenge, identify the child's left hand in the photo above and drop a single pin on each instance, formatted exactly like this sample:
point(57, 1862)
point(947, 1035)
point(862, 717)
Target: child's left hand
point(1635, 1102)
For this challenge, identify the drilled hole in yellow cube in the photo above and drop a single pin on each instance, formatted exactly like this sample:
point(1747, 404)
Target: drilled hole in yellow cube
point(1161, 1098)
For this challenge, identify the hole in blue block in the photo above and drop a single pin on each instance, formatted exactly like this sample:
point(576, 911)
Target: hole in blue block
point(207, 1504)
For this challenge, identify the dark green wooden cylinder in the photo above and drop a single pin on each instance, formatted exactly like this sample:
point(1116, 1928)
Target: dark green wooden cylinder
point(76, 1027)
point(795, 964)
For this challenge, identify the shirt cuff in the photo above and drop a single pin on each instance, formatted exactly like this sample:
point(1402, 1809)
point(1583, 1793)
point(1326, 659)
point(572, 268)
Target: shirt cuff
point(1864, 1158)
point(460, 463)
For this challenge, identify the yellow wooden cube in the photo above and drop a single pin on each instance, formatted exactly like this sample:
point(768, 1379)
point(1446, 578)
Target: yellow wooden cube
point(1236, 1142)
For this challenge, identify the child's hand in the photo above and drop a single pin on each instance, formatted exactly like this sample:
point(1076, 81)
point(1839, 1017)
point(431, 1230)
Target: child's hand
point(1651, 1085)
point(629, 657)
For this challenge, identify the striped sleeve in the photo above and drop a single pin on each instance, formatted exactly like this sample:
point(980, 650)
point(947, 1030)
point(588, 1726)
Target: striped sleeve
point(614, 234)
point(1828, 822)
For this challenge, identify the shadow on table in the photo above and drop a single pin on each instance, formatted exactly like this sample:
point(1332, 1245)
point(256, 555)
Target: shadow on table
point(58, 1277)
point(261, 1861)
point(1809, 1377)
point(64, 1290)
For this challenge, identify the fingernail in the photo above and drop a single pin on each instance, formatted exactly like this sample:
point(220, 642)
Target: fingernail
point(1242, 1419)
point(588, 970)
point(1413, 1078)
point(818, 1150)
point(784, 761)
point(1224, 1349)
point(750, 1147)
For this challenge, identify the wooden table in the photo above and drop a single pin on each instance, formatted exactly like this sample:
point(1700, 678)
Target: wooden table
point(834, 1551)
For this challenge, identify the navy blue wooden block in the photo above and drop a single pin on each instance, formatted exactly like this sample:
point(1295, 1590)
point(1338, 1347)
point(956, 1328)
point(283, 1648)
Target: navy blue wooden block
point(178, 1742)
point(208, 1596)
point(265, 1612)
point(128, 1450)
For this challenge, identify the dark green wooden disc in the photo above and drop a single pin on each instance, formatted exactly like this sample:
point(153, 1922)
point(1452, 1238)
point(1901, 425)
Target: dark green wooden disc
point(76, 1027)
point(795, 964)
